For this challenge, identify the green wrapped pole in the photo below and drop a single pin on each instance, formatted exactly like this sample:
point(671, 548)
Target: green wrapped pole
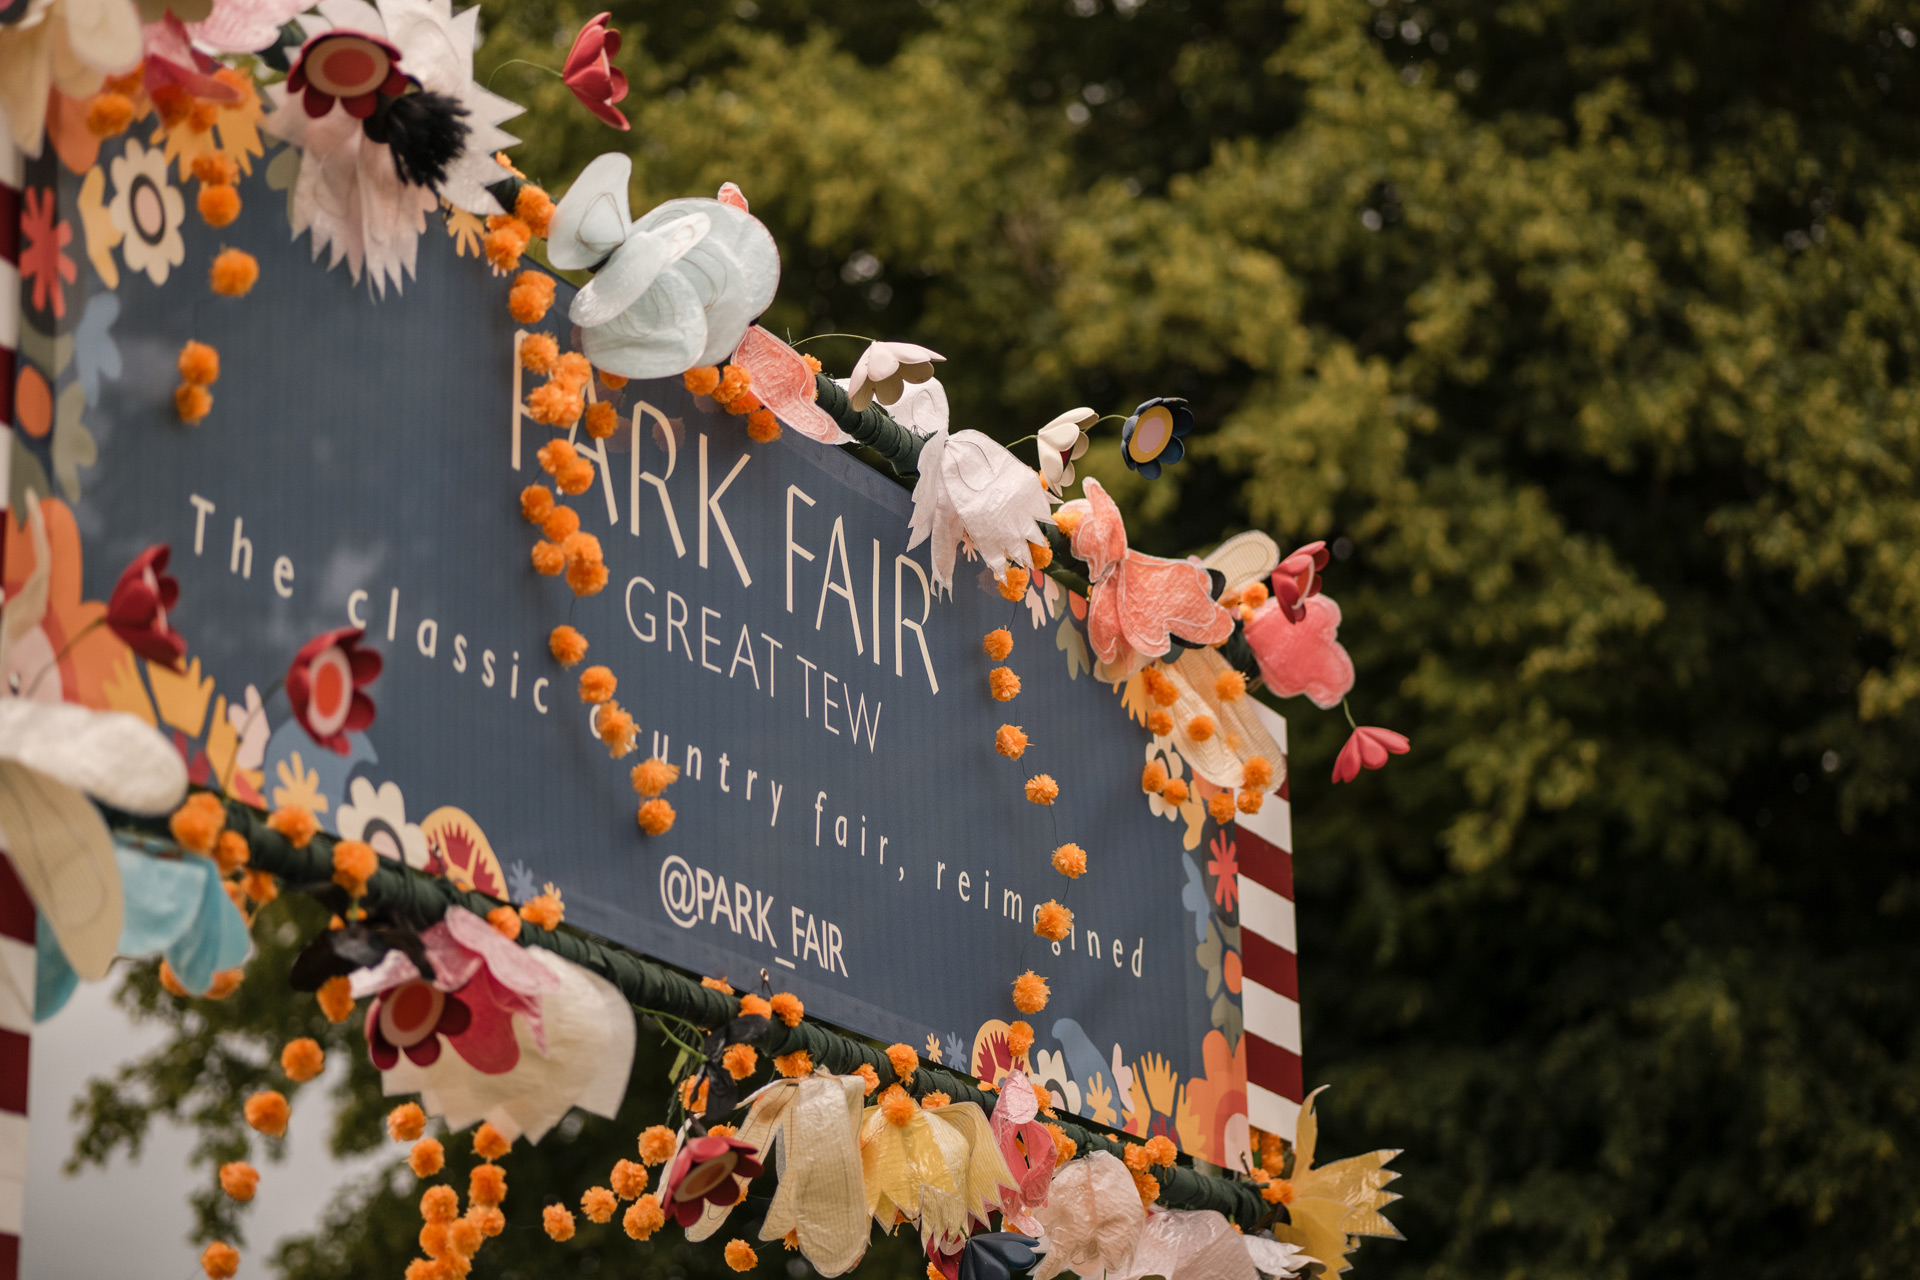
point(871, 426)
point(420, 900)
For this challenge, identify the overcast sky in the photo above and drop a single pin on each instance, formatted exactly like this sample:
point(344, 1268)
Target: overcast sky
point(131, 1220)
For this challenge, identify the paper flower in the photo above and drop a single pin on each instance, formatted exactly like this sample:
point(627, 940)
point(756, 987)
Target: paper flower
point(1369, 748)
point(590, 73)
point(1238, 734)
point(1197, 1244)
point(147, 211)
point(1302, 655)
point(350, 193)
point(1027, 1147)
point(784, 382)
point(942, 1169)
point(991, 1255)
point(324, 685)
point(884, 369)
point(137, 610)
point(379, 817)
point(678, 287)
point(704, 1171)
point(1151, 438)
point(64, 44)
point(1093, 1218)
point(1334, 1203)
point(1297, 579)
point(1063, 442)
point(971, 487)
point(1138, 603)
point(587, 1052)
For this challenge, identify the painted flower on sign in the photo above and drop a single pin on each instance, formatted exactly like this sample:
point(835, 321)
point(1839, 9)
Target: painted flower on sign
point(324, 685)
point(1225, 869)
point(379, 817)
point(147, 210)
point(44, 263)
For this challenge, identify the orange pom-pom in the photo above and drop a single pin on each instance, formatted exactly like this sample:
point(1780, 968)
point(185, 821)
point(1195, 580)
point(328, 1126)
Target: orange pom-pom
point(489, 1143)
point(643, 1217)
point(296, 823)
point(336, 999)
point(1159, 723)
point(1019, 1039)
point(354, 863)
point(903, 1059)
point(1153, 778)
point(220, 1260)
point(703, 380)
point(598, 1204)
point(656, 817)
point(998, 644)
point(934, 1100)
point(1148, 1186)
point(1040, 553)
point(1161, 1151)
point(427, 1157)
point(260, 886)
point(572, 371)
point(1052, 921)
point(612, 381)
point(1064, 1148)
point(536, 503)
point(218, 206)
point(1042, 789)
point(486, 1185)
point(630, 1179)
point(1250, 801)
point(1200, 728)
point(547, 910)
point(488, 1218)
point(192, 403)
point(538, 351)
point(303, 1059)
point(582, 548)
point(587, 577)
point(406, 1122)
point(1220, 807)
point(225, 983)
point(1070, 860)
point(267, 1112)
point(652, 776)
point(1030, 992)
point(1003, 684)
point(548, 559)
point(170, 981)
point(576, 477)
point(1135, 1157)
point(232, 852)
point(505, 922)
point(762, 426)
point(109, 114)
point(239, 1180)
point(197, 824)
point(567, 645)
point(1175, 792)
point(752, 1006)
point(866, 1073)
point(657, 1142)
point(735, 381)
point(531, 295)
point(558, 1221)
point(504, 244)
point(1230, 686)
point(555, 404)
point(1014, 585)
point(1067, 520)
point(534, 207)
point(794, 1065)
point(1256, 774)
point(616, 728)
point(787, 1007)
point(597, 684)
point(601, 421)
point(740, 1060)
point(234, 273)
point(215, 169)
point(740, 1255)
point(897, 1106)
point(1160, 686)
point(693, 1094)
point(1010, 741)
point(439, 1204)
point(1254, 594)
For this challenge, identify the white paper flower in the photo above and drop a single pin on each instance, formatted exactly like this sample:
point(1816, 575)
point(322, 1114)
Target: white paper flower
point(972, 488)
point(1063, 442)
point(379, 817)
point(676, 288)
point(147, 210)
point(348, 196)
point(68, 44)
point(884, 370)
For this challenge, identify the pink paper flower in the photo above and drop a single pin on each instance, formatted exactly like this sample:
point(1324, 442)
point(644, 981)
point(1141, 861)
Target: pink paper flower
point(1368, 748)
point(1298, 579)
point(324, 685)
point(1303, 656)
point(1030, 1159)
point(590, 73)
point(704, 1171)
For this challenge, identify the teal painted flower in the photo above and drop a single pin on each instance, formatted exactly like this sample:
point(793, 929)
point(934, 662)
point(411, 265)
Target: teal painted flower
point(1151, 439)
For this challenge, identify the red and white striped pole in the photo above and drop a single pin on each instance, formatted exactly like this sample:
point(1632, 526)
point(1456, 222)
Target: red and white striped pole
point(1270, 972)
point(16, 909)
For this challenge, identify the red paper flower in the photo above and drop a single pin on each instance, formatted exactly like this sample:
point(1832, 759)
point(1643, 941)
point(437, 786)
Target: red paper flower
point(137, 611)
point(42, 262)
point(1368, 748)
point(411, 1019)
point(348, 67)
point(704, 1171)
point(1298, 579)
point(324, 685)
point(590, 73)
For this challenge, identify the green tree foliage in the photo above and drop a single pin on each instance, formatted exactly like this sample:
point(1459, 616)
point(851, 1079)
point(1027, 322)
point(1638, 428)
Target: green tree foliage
point(1590, 331)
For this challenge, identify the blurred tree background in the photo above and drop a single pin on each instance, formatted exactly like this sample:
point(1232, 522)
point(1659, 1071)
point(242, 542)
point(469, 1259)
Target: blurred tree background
point(1589, 331)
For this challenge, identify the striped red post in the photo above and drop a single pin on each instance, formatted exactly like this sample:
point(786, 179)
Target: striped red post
point(16, 909)
point(1270, 981)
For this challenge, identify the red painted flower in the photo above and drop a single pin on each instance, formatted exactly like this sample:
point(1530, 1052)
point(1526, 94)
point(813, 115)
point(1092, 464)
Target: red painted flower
point(1298, 579)
point(42, 261)
point(1368, 748)
point(324, 685)
point(411, 1019)
point(348, 67)
point(704, 1171)
point(590, 73)
point(1224, 866)
point(137, 611)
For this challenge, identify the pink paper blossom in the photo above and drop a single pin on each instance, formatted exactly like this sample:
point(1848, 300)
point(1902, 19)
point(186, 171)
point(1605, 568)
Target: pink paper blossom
point(1303, 656)
point(590, 73)
point(1368, 748)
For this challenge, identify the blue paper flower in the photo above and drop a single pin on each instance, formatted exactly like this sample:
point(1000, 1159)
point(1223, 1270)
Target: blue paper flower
point(1151, 438)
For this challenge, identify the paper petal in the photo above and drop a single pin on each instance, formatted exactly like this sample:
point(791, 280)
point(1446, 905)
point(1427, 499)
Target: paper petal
point(63, 852)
